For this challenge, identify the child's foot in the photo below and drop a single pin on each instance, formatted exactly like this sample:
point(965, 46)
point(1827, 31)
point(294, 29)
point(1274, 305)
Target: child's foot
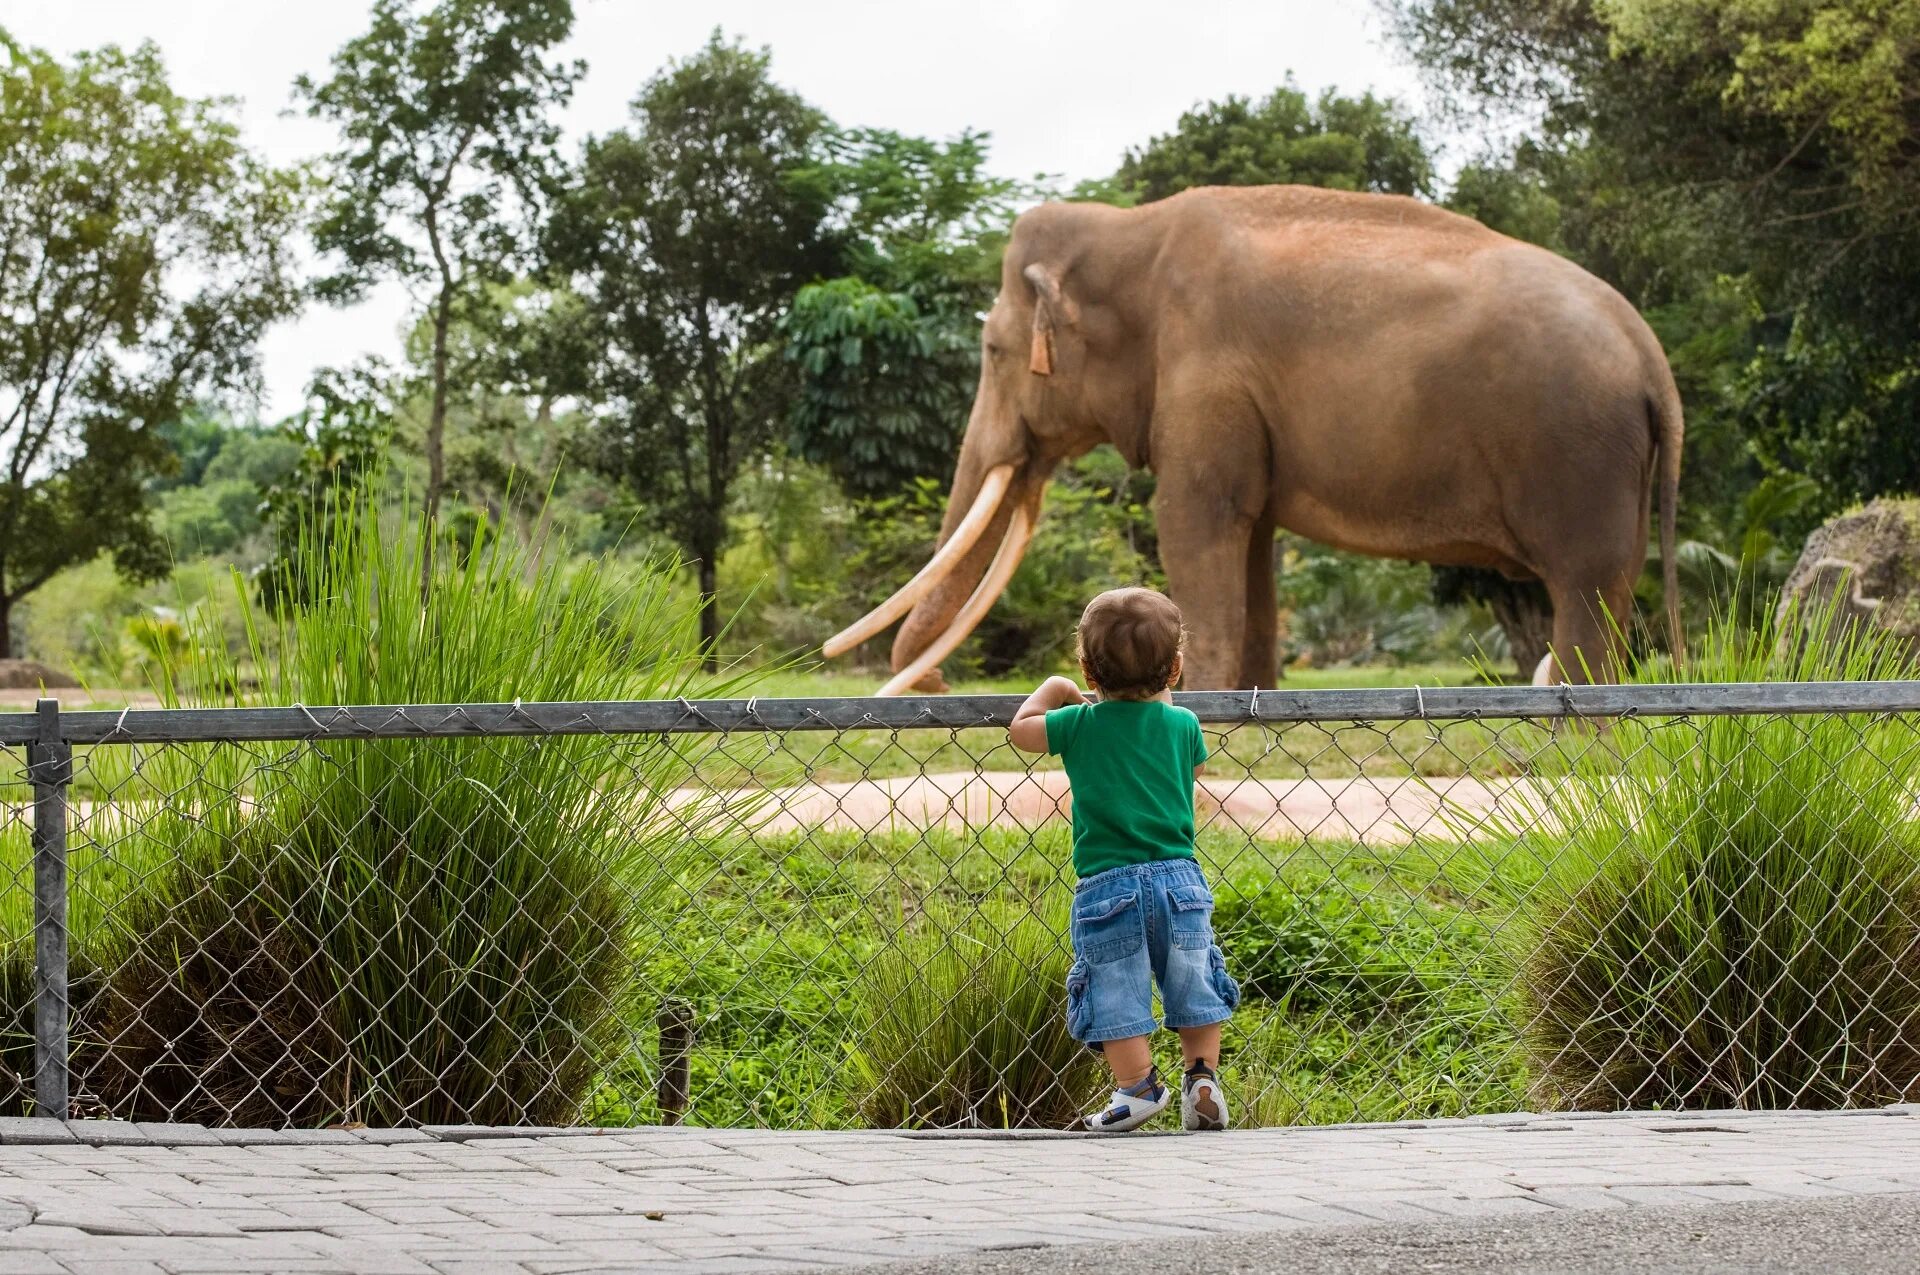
point(1202, 1103)
point(1132, 1106)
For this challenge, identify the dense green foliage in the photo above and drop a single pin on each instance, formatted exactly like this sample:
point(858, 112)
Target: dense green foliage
point(963, 1023)
point(399, 931)
point(888, 354)
point(447, 137)
point(1344, 143)
point(1728, 912)
point(686, 236)
point(143, 249)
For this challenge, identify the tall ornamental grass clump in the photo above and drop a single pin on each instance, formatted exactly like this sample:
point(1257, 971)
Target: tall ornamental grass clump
point(962, 1023)
point(1728, 913)
point(404, 931)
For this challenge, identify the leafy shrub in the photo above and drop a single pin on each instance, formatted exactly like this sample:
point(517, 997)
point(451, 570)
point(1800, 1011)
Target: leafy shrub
point(1337, 944)
point(1347, 608)
point(1455, 1056)
point(403, 931)
point(1729, 913)
point(963, 1024)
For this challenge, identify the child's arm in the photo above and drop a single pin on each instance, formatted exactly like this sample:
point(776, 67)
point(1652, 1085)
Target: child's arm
point(1029, 729)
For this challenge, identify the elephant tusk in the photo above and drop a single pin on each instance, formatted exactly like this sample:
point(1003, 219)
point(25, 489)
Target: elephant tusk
point(1012, 549)
point(986, 503)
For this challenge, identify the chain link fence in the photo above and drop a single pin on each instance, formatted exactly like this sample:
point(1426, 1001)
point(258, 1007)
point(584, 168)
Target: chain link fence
point(840, 913)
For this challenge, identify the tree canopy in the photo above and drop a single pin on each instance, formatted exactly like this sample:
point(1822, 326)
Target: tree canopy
point(143, 250)
point(1345, 143)
point(446, 159)
point(686, 236)
point(888, 354)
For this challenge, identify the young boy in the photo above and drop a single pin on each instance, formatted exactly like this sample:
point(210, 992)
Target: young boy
point(1142, 911)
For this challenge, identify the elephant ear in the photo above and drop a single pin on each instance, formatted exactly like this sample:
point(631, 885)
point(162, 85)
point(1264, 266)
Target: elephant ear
point(1049, 307)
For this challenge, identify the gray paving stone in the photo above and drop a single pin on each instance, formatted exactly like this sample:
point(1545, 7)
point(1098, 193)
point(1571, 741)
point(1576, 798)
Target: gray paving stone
point(28, 1131)
point(107, 1133)
point(179, 1135)
point(251, 1137)
point(31, 1263)
point(390, 1137)
point(754, 1200)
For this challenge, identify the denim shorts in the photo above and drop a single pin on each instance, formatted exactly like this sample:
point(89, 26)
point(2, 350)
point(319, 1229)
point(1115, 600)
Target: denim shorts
point(1140, 925)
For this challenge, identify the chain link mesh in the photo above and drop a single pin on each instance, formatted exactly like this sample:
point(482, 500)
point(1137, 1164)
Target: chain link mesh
point(868, 925)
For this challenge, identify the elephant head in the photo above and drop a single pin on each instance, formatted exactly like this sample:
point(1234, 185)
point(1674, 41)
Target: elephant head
point(1054, 377)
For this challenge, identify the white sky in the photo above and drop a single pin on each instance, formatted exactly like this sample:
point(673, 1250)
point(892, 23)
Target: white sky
point(1063, 87)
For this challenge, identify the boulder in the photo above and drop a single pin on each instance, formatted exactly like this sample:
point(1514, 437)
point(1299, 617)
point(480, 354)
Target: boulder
point(1869, 560)
point(31, 675)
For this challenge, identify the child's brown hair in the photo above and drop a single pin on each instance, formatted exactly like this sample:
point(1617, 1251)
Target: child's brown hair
point(1129, 642)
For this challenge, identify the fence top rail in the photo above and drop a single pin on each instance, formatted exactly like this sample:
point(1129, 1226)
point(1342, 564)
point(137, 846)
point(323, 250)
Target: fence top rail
point(647, 717)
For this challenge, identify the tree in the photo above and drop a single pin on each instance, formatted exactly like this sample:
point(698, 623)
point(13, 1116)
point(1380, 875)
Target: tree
point(446, 114)
point(888, 354)
point(1344, 143)
point(686, 236)
point(143, 250)
point(342, 435)
point(512, 348)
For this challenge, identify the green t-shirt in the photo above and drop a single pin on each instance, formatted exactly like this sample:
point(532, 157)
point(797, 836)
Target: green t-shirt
point(1131, 766)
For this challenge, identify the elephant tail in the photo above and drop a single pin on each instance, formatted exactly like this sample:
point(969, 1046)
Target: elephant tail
point(1669, 429)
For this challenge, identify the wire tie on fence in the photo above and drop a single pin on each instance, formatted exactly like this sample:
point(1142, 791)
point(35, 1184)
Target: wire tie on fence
point(1420, 702)
point(120, 722)
point(686, 706)
point(318, 729)
point(1253, 709)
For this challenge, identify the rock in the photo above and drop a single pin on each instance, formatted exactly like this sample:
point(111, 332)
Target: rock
point(1867, 562)
point(28, 675)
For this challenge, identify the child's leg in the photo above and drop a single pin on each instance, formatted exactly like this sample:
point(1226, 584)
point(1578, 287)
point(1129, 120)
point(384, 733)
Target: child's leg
point(1131, 1059)
point(1200, 1045)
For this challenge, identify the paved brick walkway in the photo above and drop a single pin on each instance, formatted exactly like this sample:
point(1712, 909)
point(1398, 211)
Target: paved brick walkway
point(115, 1199)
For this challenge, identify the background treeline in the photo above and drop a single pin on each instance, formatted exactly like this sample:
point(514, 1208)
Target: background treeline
point(740, 332)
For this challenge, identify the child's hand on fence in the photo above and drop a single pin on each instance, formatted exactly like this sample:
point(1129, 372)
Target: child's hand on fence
point(1029, 729)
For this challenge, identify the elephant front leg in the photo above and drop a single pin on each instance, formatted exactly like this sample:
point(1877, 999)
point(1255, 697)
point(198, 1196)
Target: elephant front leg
point(1210, 501)
point(1207, 579)
point(1209, 525)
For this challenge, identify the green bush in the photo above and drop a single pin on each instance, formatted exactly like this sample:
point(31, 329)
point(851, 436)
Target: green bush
point(1454, 1056)
point(1729, 912)
point(1365, 1001)
point(1338, 944)
point(403, 931)
point(963, 1024)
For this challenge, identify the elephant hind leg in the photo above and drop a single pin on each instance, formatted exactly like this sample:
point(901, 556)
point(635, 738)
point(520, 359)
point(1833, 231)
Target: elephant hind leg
point(1259, 651)
point(1589, 629)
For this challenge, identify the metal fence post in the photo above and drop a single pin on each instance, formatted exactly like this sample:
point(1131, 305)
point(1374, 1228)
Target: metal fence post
point(50, 770)
point(676, 1055)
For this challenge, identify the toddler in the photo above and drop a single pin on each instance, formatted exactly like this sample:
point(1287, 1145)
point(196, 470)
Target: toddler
point(1142, 911)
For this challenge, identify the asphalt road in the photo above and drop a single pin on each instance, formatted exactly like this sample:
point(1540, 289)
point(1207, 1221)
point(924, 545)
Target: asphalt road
point(1856, 1235)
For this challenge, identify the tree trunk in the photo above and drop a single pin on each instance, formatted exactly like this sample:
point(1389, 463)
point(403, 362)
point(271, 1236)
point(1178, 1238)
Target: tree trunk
point(709, 612)
point(6, 627)
point(437, 417)
point(1526, 617)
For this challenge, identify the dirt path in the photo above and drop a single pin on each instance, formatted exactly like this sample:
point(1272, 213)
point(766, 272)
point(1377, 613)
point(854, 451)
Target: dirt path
point(1370, 811)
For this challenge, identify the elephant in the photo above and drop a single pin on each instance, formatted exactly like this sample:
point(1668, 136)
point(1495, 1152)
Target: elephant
point(1368, 371)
